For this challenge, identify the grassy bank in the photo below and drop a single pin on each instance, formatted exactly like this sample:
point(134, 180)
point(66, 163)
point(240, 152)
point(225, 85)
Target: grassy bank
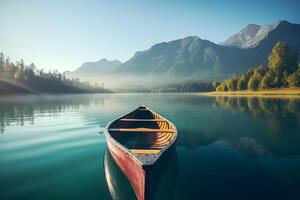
point(271, 92)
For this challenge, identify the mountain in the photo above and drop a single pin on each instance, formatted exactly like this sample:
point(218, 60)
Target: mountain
point(249, 36)
point(187, 57)
point(284, 31)
point(253, 35)
point(192, 57)
point(88, 69)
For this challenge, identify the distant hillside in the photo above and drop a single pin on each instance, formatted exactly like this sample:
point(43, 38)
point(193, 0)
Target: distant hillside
point(187, 57)
point(192, 57)
point(100, 67)
point(20, 78)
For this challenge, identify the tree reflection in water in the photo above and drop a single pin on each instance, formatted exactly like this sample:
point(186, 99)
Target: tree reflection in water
point(272, 123)
point(281, 114)
point(21, 109)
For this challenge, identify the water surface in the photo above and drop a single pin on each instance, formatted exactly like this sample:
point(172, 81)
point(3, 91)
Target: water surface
point(52, 147)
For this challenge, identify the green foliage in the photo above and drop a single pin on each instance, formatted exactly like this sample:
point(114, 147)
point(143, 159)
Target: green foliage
point(268, 80)
point(256, 78)
point(222, 87)
point(242, 83)
point(293, 80)
point(216, 84)
point(17, 77)
point(189, 86)
point(231, 83)
point(284, 79)
point(253, 83)
point(282, 58)
point(281, 73)
point(249, 73)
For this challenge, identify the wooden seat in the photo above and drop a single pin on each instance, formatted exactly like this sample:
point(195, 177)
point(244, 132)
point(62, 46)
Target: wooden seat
point(142, 120)
point(145, 151)
point(146, 130)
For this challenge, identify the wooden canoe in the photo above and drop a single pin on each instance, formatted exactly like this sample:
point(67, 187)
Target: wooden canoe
point(136, 141)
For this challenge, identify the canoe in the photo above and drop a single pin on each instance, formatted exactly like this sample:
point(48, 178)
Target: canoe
point(165, 176)
point(136, 142)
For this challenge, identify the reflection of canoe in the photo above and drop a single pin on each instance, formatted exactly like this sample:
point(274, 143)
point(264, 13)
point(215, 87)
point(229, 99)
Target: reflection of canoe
point(164, 178)
point(117, 184)
point(136, 141)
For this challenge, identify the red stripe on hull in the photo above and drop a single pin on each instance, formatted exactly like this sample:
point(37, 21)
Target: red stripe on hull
point(132, 170)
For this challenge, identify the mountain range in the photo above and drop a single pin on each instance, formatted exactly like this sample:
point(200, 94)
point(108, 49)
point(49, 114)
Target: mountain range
point(89, 69)
point(195, 58)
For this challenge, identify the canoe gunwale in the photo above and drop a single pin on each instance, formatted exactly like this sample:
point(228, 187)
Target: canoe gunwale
point(132, 155)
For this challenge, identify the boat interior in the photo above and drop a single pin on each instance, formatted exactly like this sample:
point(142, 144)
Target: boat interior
point(142, 131)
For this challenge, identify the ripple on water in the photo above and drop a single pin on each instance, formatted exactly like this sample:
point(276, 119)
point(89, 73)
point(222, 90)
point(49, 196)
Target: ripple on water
point(38, 156)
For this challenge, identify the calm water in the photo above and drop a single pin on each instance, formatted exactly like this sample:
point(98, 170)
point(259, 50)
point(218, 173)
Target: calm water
point(52, 147)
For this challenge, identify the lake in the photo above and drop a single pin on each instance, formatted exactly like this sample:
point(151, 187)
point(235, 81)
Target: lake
point(53, 147)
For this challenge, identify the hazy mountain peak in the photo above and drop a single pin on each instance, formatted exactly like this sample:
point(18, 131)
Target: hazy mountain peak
point(102, 66)
point(106, 61)
point(251, 35)
point(103, 60)
point(192, 37)
point(283, 22)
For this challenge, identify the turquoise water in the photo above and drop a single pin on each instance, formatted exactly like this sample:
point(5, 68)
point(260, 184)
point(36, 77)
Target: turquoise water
point(53, 147)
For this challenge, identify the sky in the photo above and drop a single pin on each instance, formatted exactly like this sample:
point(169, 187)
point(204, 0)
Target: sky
point(63, 34)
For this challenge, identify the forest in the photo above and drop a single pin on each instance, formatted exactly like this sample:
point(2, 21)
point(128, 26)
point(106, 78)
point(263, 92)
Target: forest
point(187, 86)
point(283, 71)
point(20, 78)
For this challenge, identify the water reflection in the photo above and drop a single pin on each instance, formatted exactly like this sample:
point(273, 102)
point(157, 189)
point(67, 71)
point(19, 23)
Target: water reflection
point(247, 146)
point(117, 183)
point(262, 107)
point(271, 124)
point(227, 147)
point(163, 183)
point(20, 109)
point(281, 118)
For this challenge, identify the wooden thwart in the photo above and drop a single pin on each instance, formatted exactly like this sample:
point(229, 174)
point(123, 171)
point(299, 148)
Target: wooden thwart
point(147, 130)
point(145, 151)
point(142, 120)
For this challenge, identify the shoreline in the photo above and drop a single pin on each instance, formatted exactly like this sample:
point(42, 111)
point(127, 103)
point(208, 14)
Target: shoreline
point(285, 92)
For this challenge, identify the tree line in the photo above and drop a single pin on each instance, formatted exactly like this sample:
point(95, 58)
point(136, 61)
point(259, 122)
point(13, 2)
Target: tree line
point(20, 78)
point(188, 86)
point(283, 71)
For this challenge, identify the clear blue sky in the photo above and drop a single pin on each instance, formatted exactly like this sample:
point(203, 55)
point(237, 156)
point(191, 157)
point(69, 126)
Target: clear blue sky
point(57, 34)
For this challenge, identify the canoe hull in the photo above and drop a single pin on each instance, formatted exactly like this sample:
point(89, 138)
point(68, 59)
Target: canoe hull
point(141, 165)
point(132, 170)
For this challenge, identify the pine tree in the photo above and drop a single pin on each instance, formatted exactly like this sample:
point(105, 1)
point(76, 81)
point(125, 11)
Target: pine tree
point(2, 59)
point(216, 84)
point(231, 83)
point(282, 58)
point(222, 87)
point(256, 78)
point(268, 80)
point(284, 80)
point(242, 83)
point(293, 80)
